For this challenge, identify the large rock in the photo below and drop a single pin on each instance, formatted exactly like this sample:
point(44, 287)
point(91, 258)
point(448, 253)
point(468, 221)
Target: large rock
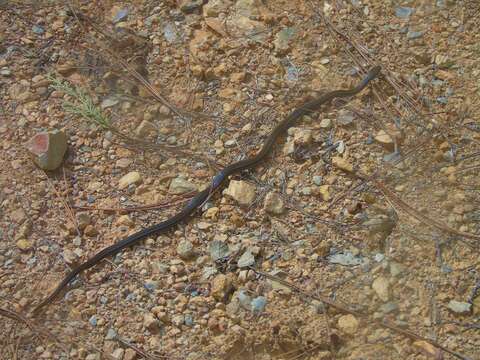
point(47, 149)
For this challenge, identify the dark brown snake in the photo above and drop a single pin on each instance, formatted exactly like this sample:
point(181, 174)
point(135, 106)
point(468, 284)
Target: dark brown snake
point(197, 201)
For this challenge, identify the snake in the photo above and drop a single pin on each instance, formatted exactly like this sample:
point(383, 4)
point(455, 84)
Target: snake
point(217, 181)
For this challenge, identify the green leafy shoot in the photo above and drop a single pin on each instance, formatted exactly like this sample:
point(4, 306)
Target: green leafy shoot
point(82, 104)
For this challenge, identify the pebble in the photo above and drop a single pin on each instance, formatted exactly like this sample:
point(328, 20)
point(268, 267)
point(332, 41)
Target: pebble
point(145, 128)
point(244, 299)
point(185, 249)
point(283, 39)
point(218, 250)
point(411, 34)
point(381, 288)
point(111, 334)
point(258, 304)
point(47, 149)
point(345, 259)
point(348, 324)
point(247, 259)
point(342, 164)
point(130, 354)
point(151, 323)
point(117, 354)
point(403, 12)
point(179, 185)
point(317, 180)
point(324, 191)
point(460, 307)
point(384, 140)
point(24, 244)
point(345, 118)
point(241, 191)
point(132, 177)
point(396, 269)
point(325, 124)
point(428, 349)
point(70, 257)
point(274, 203)
point(38, 30)
point(83, 219)
point(221, 285)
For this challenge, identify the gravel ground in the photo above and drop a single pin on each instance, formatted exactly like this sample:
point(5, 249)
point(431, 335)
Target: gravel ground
point(297, 259)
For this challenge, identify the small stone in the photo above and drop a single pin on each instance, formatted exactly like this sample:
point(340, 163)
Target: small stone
point(385, 140)
point(325, 124)
point(132, 177)
point(324, 191)
point(244, 300)
point(111, 334)
point(381, 288)
point(109, 102)
point(180, 186)
point(185, 249)
point(238, 77)
point(317, 180)
point(5, 72)
point(342, 164)
point(389, 307)
point(151, 323)
point(258, 304)
point(90, 231)
point(70, 257)
point(460, 307)
point(48, 149)
point(241, 191)
point(411, 34)
point(83, 219)
point(428, 349)
point(130, 354)
point(348, 324)
point(283, 39)
point(117, 354)
point(145, 128)
point(246, 260)
point(178, 320)
point(396, 269)
point(24, 244)
point(218, 250)
point(221, 285)
point(403, 12)
point(125, 220)
point(38, 30)
point(302, 137)
point(345, 259)
point(118, 14)
point(274, 203)
point(345, 118)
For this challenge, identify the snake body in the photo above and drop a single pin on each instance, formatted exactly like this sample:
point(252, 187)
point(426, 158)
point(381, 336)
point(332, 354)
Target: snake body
point(217, 181)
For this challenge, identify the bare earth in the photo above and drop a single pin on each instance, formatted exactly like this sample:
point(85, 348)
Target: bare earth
point(297, 259)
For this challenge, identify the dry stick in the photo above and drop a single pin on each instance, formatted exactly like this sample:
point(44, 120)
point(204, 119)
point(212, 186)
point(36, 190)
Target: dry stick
point(364, 54)
point(416, 214)
point(39, 331)
point(139, 351)
point(79, 16)
point(344, 308)
point(68, 209)
point(160, 205)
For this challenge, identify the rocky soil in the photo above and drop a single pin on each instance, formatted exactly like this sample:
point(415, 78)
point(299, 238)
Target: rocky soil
point(297, 259)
